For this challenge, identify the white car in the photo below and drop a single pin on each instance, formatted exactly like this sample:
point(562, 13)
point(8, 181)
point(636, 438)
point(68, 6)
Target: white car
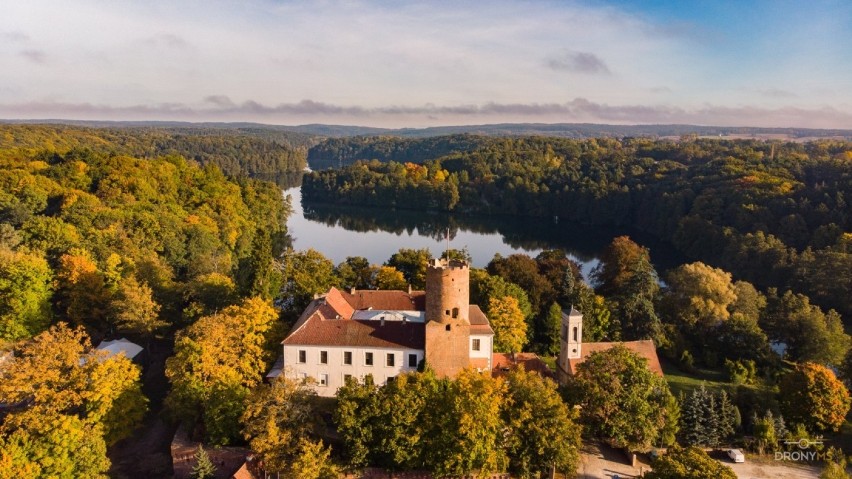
point(736, 455)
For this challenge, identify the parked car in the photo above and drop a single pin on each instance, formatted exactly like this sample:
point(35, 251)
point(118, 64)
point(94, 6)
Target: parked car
point(736, 455)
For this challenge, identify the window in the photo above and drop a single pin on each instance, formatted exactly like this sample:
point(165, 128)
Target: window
point(346, 378)
point(575, 333)
point(323, 357)
point(390, 379)
point(476, 345)
point(448, 327)
point(455, 313)
point(347, 357)
point(412, 360)
point(323, 379)
point(303, 356)
point(391, 361)
point(368, 359)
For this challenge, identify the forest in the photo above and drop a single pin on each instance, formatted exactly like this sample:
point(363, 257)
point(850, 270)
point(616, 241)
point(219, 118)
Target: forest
point(98, 245)
point(251, 152)
point(772, 213)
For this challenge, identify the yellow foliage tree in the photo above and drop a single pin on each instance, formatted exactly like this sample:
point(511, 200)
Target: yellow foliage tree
point(507, 320)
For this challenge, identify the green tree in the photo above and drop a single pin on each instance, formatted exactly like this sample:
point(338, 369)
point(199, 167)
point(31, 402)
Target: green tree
point(551, 330)
point(264, 280)
point(813, 396)
point(304, 273)
point(507, 320)
point(356, 408)
point(689, 463)
point(203, 468)
point(276, 419)
point(25, 293)
point(412, 264)
point(542, 429)
point(484, 286)
point(355, 272)
point(621, 400)
point(809, 333)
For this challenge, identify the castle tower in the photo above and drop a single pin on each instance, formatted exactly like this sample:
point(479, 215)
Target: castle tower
point(570, 341)
point(447, 316)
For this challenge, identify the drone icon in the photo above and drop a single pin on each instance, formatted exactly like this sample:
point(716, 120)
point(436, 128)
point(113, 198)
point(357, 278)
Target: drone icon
point(804, 443)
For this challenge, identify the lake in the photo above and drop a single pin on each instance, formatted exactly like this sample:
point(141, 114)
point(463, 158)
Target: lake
point(339, 231)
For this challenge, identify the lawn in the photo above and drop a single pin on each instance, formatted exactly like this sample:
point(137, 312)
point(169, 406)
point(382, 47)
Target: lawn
point(680, 381)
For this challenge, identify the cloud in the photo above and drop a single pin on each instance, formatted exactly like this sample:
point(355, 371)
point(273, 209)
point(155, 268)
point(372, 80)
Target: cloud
point(777, 93)
point(221, 108)
point(35, 56)
point(168, 40)
point(14, 37)
point(578, 62)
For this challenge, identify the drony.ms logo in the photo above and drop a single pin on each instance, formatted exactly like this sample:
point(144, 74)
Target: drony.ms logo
point(805, 453)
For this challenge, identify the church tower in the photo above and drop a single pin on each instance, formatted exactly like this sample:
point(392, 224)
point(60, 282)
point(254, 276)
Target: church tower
point(447, 316)
point(570, 341)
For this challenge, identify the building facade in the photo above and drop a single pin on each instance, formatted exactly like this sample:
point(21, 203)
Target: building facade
point(384, 333)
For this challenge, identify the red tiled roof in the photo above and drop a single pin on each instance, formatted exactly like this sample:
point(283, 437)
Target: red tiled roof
point(386, 300)
point(644, 348)
point(318, 331)
point(504, 362)
point(340, 304)
point(478, 322)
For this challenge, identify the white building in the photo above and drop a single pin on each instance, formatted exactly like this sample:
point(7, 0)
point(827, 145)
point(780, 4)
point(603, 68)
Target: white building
point(384, 333)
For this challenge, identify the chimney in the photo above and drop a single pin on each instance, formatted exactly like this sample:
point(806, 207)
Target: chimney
point(409, 288)
point(352, 291)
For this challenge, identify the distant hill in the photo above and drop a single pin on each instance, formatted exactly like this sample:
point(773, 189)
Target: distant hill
point(308, 133)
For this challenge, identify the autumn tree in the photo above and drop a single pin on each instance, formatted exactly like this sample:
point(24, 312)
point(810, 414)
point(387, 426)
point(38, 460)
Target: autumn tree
point(25, 292)
point(387, 277)
point(813, 396)
point(468, 434)
point(618, 264)
point(510, 329)
point(698, 294)
point(484, 286)
point(543, 432)
point(524, 271)
point(82, 296)
point(312, 461)
point(622, 401)
point(78, 401)
point(217, 361)
point(207, 294)
point(276, 419)
point(689, 463)
point(134, 309)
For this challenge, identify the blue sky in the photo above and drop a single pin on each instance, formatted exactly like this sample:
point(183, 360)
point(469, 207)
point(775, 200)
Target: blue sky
point(411, 64)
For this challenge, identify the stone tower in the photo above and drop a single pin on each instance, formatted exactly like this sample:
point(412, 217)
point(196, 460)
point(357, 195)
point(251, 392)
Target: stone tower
point(447, 320)
point(570, 340)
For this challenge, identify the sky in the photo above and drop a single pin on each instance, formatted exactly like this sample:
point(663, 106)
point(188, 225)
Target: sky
point(415, 64)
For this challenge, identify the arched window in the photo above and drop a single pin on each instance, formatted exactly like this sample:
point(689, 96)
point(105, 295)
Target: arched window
point(455, 313)
point(575, 333)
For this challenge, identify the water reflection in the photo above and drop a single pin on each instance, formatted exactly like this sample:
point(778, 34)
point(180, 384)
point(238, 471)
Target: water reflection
point(340, 231)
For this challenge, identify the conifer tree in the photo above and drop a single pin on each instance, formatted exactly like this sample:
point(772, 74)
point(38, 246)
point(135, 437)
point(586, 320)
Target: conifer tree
point(204, 468)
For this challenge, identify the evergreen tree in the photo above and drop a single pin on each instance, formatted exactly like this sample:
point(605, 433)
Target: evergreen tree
point(204, 468)
point(729, 417)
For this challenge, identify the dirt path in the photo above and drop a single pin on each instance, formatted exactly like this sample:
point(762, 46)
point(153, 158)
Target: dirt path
point(146, 453)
